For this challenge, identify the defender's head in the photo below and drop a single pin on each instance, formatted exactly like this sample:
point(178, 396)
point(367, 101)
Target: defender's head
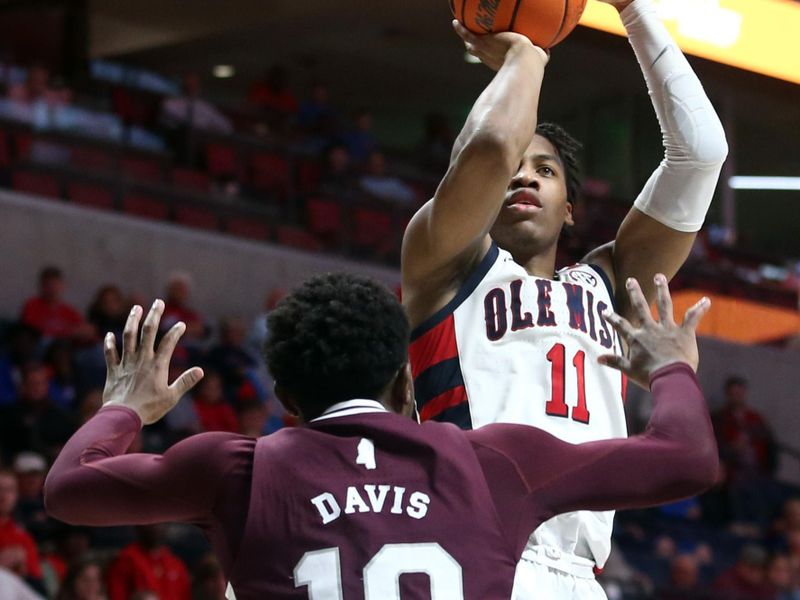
point(339, 337)
point(540, 197)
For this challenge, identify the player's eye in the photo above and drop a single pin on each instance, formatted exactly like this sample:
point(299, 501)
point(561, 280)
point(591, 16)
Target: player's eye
point(546, 171)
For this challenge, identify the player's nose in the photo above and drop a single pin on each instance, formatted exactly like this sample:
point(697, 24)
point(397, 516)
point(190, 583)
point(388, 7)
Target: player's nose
point(525, 178)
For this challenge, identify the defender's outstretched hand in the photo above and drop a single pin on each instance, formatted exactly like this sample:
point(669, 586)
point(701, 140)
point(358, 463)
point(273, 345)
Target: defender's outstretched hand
point(653, 345)
point(139, 379)
point(493, 48)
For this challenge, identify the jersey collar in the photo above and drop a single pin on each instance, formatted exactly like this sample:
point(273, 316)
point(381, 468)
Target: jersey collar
point(351, 407)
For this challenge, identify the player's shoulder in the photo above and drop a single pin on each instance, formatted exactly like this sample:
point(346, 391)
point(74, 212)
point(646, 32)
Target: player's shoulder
point(587, 274)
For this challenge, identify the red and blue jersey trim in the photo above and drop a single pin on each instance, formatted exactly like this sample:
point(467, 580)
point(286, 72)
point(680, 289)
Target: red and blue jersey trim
point(438, 380)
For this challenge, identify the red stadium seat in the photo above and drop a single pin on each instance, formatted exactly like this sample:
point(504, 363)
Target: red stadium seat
point(248, 228)
point(91, 158)
point(222, 160)
point(5, 154)
point(189, 179)
point(148, 207)
point(324, 217)
point(141, 169)
point(298, 238)
point(270, 172)
point(88, 194)
point(22, 145)
point(33, 182)
point(199, 218)
point(372, 228)
point(308, 176)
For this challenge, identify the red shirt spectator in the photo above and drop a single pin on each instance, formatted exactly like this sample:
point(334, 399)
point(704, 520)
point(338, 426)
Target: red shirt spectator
point(209, 404)
point(745, 441)
point(13, 538)
point(148, 565)
point(176, 308)
point(746, 580)
point(48, 314)
point(273, 94)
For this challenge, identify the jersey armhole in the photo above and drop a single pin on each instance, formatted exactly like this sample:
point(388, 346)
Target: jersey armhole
point(463, 293)
point(606, 281)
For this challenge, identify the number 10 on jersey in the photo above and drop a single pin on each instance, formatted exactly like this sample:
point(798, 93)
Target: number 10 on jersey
point(557, 405)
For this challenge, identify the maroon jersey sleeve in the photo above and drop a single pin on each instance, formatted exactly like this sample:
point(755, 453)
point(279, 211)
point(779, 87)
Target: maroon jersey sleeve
point(198, 480)
point(534, 476)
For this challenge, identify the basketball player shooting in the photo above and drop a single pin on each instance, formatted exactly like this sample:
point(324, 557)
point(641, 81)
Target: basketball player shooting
point(499, 335)
point(361, 494)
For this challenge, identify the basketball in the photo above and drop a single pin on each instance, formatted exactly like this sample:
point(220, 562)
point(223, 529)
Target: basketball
point(544, 22)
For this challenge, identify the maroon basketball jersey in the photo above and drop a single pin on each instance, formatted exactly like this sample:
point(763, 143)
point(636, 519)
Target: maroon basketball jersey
point(371, 505)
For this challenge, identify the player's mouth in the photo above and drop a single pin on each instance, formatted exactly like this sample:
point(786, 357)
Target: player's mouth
point(524, 200)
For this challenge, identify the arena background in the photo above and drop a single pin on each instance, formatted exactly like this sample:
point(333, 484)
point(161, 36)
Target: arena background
point(102, 185)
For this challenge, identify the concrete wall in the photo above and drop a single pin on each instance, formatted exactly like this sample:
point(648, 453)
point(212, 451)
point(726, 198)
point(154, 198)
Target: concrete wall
point(231, 276)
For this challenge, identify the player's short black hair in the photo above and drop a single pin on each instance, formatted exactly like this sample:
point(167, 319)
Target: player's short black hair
point(336, 337)
point(568, 148)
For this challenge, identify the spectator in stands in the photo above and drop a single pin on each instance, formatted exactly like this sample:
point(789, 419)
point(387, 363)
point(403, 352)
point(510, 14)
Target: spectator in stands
point(273, 97)
point(177, 308)
point(68, 545)
point(63, 381)
point(108, 311)
point(684, 581)
point(337, 178)
point(34, 422)
point(780, 578)
point(37, 87)
point(209, 403)
point(50, 315)
point(359, 139)
point(258, 330)
point(148, 565)
point(83, 581)
point(31, 469)
point(746, 580)
point(316, 115)
point(747, 449)
point(208, 581)
point(89, 404)
point(230, 357)
point(18, 550)
point(437, 143)
point(189, 111)
point(378, 183)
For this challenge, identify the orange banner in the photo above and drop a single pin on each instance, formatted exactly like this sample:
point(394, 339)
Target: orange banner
point(740, 320)
point(757, 35)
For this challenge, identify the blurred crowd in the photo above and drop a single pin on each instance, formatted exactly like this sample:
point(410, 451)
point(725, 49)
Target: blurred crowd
point(51, 381)
point(739, 541)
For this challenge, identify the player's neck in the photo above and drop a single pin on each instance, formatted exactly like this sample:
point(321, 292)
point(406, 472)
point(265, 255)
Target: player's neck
point(538, 263)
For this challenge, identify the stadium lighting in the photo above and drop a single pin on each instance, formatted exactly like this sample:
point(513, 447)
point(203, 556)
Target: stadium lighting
point(764, 183)
point(223, 71)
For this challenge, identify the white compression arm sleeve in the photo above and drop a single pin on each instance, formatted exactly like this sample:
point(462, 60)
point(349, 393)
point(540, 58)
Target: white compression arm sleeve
point(679, 192)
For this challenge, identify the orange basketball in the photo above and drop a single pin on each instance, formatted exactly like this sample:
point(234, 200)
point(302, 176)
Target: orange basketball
point(544, 22)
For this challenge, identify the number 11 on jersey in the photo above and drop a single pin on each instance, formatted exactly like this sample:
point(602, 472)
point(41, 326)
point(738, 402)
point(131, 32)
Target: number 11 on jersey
point(557, 405)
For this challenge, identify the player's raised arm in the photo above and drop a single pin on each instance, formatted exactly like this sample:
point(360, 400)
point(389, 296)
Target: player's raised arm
point(658, 232)
point(676, 457)
point(451, 230)
point(94, 482)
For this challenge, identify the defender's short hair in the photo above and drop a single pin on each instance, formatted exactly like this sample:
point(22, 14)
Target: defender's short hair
point(336, 337)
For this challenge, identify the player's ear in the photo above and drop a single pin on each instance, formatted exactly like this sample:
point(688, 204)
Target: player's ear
point(402, 398)
point(287, 401)
point(568, 219)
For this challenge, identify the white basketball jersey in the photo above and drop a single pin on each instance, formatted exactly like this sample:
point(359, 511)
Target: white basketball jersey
point(512, 348)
